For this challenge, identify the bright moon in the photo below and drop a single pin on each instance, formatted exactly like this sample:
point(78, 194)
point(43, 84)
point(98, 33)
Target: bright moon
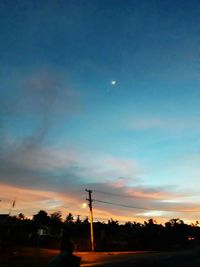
point(113, 82)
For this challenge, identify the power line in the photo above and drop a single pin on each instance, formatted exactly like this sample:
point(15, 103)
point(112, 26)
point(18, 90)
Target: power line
point(134, 207)
point(140, 208)
point(112, 194)
point(121, 205)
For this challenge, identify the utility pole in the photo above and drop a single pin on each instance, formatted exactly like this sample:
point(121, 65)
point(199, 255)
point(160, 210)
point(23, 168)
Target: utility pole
point(90, 200)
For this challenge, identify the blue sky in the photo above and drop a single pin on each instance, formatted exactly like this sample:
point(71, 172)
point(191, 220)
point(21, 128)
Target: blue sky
point(65, 126)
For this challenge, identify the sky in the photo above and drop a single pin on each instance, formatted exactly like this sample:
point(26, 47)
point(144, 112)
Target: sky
point(103, 95)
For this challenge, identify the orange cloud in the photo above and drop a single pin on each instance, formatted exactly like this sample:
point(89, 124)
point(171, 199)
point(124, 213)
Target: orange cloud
point(151, 194)
point(30, 201)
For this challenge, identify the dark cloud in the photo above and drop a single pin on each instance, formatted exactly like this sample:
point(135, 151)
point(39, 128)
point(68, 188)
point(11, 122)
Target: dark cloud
point(41, 96)
point(119, 195)
point(45, 93)
point(33, 166)
point(38, 100)
point(39, 169)
point(25, 168)
point(140, 198)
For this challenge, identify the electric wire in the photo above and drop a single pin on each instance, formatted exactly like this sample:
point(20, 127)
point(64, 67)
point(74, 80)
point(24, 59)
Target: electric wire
point(121, 205)
point(112, 194)
point(141, 208)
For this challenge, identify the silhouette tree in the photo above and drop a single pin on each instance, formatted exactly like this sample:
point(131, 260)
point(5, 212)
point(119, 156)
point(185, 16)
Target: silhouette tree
point(113, 223)
point(86, 221)
point(56, 223)
point(56, 216)
point(78, 220)
point(41, 218)
point(108, 236)
point(69, 219)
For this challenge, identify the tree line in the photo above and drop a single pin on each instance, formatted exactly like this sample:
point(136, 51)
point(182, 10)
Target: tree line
point(45, 230)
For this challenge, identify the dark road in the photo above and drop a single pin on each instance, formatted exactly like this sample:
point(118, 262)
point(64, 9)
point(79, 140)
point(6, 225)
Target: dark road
point(40, 258)
point(182, 259)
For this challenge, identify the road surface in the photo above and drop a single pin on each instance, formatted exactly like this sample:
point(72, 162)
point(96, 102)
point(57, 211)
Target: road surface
point(40, 258)
point(184, 258)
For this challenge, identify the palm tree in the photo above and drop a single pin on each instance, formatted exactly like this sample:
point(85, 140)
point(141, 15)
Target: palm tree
point(69, 218)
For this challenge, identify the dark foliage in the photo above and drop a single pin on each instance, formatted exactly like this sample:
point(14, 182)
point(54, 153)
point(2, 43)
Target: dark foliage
point(46, 231)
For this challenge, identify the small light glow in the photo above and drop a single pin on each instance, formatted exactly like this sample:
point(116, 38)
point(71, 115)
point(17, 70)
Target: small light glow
point(191, 238)
point(113, 82)
point(84, 205)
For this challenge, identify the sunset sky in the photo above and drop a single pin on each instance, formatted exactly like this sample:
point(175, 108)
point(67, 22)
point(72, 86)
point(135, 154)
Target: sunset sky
point(104, 95)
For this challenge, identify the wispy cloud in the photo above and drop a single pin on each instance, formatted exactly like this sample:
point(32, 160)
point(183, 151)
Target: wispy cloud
point(40, 166)
point(54, 178)
point(68, 170)
point(47, 93)
point(39, 100)
point(164, 123)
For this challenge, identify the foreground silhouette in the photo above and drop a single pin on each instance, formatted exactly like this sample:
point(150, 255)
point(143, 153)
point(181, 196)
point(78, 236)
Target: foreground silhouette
point(65, 258)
